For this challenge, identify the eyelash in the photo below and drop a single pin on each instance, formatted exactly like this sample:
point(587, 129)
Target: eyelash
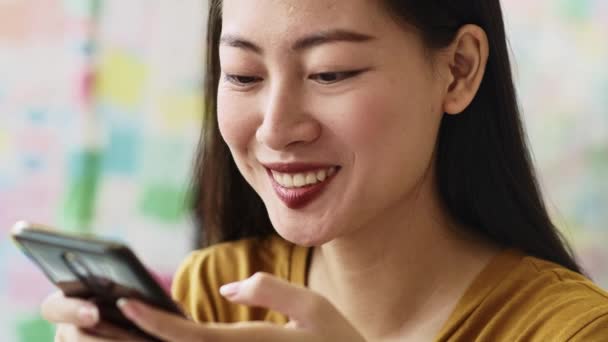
point(245, 81)
point(341, 75)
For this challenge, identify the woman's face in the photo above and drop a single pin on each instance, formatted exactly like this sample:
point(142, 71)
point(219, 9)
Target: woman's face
point(331, 111)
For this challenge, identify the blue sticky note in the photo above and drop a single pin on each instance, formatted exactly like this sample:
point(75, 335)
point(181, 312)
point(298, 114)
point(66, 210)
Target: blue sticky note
point(33, 162)
point(37, 115)
point(121, 154)
point(88, 48)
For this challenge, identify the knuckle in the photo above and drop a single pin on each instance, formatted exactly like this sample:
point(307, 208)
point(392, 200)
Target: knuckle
point(314, 306)
point(65, 333)
point(259, 277)
point(47, 306)
point(155, 324)
point(258, 280)
point(256, 286)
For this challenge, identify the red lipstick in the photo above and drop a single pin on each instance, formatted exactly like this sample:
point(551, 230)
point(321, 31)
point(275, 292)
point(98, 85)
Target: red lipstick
point(295, 198)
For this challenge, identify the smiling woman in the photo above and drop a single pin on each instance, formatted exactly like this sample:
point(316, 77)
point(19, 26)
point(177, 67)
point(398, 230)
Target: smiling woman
point(363, 176)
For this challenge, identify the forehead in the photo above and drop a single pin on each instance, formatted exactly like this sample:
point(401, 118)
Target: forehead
point(296, 17)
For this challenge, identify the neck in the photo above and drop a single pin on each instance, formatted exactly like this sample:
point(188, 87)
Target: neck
point(403, 273)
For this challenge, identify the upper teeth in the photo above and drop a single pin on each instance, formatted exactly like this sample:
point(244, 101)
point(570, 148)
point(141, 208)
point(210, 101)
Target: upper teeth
point(297, 180)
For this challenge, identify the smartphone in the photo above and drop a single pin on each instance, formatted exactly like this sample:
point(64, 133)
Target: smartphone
point(95, 269)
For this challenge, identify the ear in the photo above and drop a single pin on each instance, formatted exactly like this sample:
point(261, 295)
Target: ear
point(467, 57)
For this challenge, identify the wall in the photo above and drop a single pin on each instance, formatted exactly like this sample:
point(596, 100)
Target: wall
point(100, 110)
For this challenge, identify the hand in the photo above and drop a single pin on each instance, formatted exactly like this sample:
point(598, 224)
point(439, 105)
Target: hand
point(313, 318)
point(78, 320)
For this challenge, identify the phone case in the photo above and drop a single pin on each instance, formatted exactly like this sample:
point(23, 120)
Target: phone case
point(92, 268)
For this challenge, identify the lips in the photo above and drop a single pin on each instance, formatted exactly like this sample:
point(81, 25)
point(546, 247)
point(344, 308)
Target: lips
point(299, 195)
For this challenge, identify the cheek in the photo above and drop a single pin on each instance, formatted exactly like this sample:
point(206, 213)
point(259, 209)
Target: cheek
point(380, 124)
point(367, 119)
point(373, 115)
point(236, 122)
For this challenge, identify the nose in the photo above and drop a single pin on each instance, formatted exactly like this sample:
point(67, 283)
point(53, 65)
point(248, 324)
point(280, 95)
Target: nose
point(285, 121)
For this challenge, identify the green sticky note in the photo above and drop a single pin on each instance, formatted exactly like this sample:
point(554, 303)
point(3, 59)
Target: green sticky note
point(576, 9)
point(79, 205)
point(34, 329)
point(81, 8)
point(164, 201)
point(598, 161)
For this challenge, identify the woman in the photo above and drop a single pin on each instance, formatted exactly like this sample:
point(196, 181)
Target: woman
point(363, 176)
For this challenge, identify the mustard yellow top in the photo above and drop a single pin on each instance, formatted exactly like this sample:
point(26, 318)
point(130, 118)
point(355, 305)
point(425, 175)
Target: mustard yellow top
point(515, 298)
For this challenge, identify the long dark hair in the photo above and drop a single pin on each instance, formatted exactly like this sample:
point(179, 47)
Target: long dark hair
point(485, 174)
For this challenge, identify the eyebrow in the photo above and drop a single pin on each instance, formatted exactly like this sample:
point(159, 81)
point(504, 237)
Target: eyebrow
point(304, 43)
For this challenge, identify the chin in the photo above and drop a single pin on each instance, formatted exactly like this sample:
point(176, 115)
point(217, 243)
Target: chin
point(307, 229)
point(303, 237)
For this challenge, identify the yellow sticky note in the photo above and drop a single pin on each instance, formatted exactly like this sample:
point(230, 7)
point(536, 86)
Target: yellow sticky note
point(120, 79)
point(182, 110)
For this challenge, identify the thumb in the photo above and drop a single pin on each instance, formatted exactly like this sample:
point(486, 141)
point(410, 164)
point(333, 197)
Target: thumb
point(157, 322)
point(57, 308)
point(305, 308)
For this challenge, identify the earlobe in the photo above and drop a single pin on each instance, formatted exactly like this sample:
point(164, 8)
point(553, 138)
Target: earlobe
point(468, 56)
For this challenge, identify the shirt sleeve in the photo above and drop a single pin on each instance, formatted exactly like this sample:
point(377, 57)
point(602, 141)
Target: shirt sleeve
point(596, 330)
point(192, 290)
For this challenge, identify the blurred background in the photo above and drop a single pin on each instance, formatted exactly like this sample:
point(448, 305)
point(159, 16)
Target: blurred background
point(100, 109)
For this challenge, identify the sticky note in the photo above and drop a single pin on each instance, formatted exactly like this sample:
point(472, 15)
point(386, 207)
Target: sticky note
point(33, 162)
point(181, 110)
point(34, 329)
point(164, 202)
point(120, 79)
point(79, 203)
point(37, 115)
point(122, 152)
point(598, 161)
point(166, 159)
point(81, 8)
point(88, 48)
point(13, 20)
point(576, 9)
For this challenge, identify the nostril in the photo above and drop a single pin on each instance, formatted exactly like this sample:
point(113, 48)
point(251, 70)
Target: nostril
point(279, 135)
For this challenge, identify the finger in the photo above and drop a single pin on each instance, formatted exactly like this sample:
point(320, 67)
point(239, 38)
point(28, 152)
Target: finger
point(68, 333)
point(257, 332)
point(170, 327)
point(292, 325)
point(306, 308)
point(109, 331)
point(57, 308)
point(159, 323)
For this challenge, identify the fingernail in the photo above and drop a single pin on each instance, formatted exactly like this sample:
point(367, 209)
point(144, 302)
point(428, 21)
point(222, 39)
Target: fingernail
point(88, 315)
point(230, 289)
point(125, 306)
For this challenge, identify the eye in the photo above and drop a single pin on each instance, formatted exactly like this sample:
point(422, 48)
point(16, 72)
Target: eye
point(242, 80)
point(334, 77)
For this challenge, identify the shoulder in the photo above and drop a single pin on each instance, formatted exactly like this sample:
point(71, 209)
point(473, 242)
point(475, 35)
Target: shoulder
point(537, 300)
point(565, 302)
point(558, 287)
point(198, 279)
